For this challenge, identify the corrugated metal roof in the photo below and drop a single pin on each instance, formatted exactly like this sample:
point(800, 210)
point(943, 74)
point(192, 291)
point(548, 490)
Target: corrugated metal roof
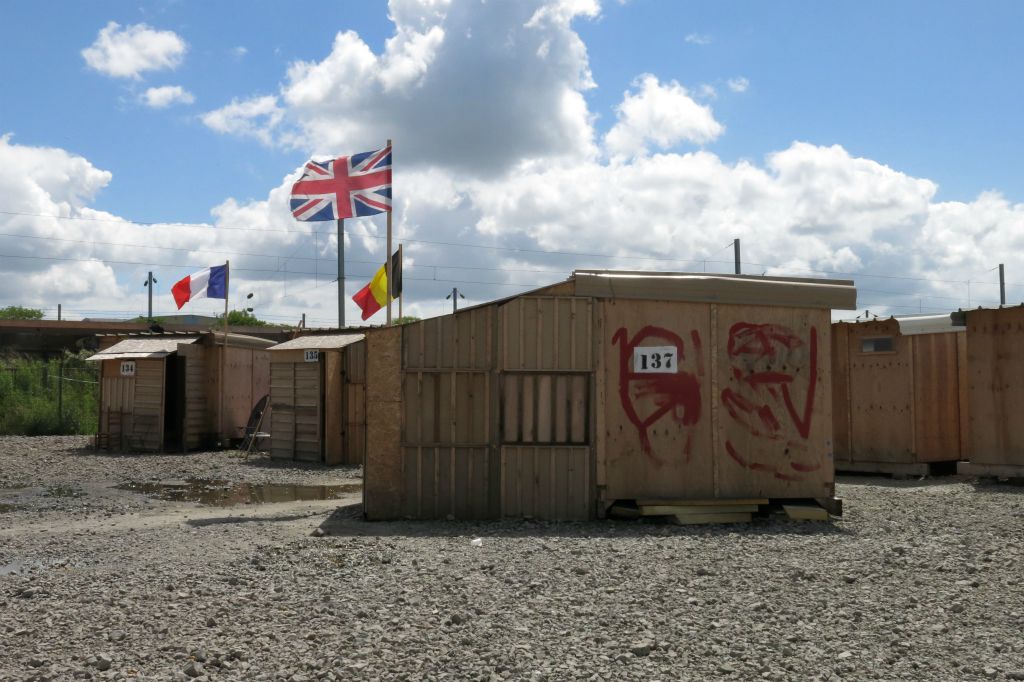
point(142, 347)
point(928, 324)
point(320, 342)
point(836, 294)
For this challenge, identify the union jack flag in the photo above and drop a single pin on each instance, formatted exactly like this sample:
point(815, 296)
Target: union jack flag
point(346, 187)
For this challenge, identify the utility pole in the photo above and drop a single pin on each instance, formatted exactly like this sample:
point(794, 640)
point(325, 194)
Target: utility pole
point(455, 296)
point(58, 312)
point(1002, 285)
point(341, 276)
point(150, 281)
point(736, 253)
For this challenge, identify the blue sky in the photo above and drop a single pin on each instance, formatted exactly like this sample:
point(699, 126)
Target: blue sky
point(873, 138)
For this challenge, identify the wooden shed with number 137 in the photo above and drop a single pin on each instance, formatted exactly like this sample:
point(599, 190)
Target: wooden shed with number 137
point(607, 387)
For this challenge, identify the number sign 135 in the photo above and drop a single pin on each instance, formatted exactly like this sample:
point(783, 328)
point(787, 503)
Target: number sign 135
point(655, 359)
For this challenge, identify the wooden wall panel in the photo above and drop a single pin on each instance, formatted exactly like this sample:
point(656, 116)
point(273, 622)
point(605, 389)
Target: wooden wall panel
point(881, 395)
point(308, 419)
point(547, 333)
point(333, 407)
point(384, 493)
point(545, 408)
point(282, 409)
point(117, 394)
point(544, 482)
point(657, 438)
point(354, 403)
point(841, 392)
point(148, 418)
point(964, 394)
point(460, 341)
point(449, 482)
point(198, 425)
point(936, 397)
point(995, 385)
point(774, 394)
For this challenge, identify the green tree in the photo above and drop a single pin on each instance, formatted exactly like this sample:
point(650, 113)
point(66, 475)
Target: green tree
point(405, 319)
point(16, 312)
point(243, 318)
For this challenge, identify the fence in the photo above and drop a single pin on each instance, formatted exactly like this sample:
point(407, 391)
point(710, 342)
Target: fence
point(54, 396)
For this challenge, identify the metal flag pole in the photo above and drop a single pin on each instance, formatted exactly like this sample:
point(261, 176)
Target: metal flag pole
point(341, 273)
point(224, 350)
point(387, 254)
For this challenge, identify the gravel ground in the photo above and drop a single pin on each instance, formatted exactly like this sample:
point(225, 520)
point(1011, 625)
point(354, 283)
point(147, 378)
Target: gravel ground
point(920, 580)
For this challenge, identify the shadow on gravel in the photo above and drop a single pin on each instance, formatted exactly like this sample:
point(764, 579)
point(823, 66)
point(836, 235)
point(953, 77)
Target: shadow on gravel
point(264, 461)
point(348, 521)
point(223, 520)
point(990, 487)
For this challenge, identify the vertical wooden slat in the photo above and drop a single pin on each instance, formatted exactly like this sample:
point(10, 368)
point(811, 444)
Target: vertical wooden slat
point(578, 400)
point(529, 407)
point(544, 416)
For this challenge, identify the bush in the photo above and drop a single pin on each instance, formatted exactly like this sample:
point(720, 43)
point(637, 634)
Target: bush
point(30, 396)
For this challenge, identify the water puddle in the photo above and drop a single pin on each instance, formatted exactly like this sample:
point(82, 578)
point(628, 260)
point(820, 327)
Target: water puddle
point(8, 508)
point(217, 493)
point(62, 491)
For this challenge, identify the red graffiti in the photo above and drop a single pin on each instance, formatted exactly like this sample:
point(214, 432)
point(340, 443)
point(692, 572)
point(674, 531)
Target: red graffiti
point(768, 361)
point(676, 394)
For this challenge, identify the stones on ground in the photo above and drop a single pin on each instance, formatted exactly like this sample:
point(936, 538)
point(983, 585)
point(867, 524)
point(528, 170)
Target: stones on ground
point(194, 669)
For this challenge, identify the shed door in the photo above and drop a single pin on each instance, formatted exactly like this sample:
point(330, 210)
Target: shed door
point(297, 427)
point(657, 435)
point(116, 409)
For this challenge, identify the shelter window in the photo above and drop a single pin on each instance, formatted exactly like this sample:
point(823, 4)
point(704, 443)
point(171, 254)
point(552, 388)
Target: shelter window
point(880, 344)
point(545, 408)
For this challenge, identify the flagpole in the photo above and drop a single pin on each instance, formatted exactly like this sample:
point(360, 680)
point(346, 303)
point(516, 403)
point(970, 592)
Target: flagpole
point(401, 264)
point(387, 254)
point(341, 273)
point(224, 348)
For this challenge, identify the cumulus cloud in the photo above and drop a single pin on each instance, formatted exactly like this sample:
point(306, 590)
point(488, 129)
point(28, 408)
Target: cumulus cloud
point(739, 84)
point(257, 117)
point(127, 52)
point(661, 114)
point(697, 39)
point(165, 96)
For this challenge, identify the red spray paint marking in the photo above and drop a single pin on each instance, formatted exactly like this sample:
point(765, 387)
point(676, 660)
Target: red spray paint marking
point(676, 394)
point(755, 342)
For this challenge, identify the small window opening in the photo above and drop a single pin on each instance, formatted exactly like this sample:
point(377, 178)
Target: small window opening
point(881, 344)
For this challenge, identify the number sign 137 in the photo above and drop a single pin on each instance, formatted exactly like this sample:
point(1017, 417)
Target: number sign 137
point(655, 359)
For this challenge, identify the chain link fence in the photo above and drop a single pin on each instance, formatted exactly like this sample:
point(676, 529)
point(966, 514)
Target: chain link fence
point(54, 396)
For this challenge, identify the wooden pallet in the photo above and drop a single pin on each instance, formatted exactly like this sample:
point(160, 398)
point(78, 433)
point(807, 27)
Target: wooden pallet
point(694, 512)
point(805, 512)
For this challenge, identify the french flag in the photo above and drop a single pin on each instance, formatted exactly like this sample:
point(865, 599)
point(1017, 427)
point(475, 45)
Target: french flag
point(209, 283)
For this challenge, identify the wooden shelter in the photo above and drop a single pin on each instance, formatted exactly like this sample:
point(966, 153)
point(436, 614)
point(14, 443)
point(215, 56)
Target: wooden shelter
point(898, 395)
point(317, 398)
point(995, 391)
point(161, 392)
point(609, 386)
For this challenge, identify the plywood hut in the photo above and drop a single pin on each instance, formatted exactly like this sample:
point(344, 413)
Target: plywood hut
point(609, 386)
point(995, 391)
point(898, 401)
point(317, 397)
point(161, 392)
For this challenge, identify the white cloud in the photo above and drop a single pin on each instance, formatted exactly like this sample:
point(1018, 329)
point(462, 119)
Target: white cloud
point(256, 117)
point(739, 84)
point(239, 51)
point(697, 39)
point(663, 114)
point(128, 52)
point(164, 96)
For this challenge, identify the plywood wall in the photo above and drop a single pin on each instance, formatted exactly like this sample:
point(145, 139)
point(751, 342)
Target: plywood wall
point(384, 495)
point(199, 428)
point(902, 406)
point(746, 414)
point(354, 387)
point(995, 386)
point(148, 417)
point(296, 403)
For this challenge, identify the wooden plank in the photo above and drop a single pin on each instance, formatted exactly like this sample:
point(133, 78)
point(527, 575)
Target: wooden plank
point(578, 409)
point(544, 409)
point(671, 510)
point(841, 391)
point(701, 519)
point(805, 512)
point(528, 409)
point(962, 394)
point(995, 360)
point(703, 503)
point(333, 408)
point(986, 469)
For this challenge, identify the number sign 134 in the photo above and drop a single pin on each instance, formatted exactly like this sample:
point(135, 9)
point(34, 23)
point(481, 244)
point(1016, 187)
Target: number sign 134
point(655, 359)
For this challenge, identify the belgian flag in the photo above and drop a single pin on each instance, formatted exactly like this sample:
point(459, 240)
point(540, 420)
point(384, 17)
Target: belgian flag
point(373, 296)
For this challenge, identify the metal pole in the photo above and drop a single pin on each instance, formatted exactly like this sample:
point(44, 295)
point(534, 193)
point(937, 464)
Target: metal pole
point(387, 254)
point(224, 354)
point(1002, 285)
point(455, 300)
point(58, 311)
point(341, 275)
point(149, 285)
point(736, 253)
point(60, 394)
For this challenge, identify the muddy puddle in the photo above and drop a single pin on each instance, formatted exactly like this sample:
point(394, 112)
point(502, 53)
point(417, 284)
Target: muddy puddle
point(217, 493)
